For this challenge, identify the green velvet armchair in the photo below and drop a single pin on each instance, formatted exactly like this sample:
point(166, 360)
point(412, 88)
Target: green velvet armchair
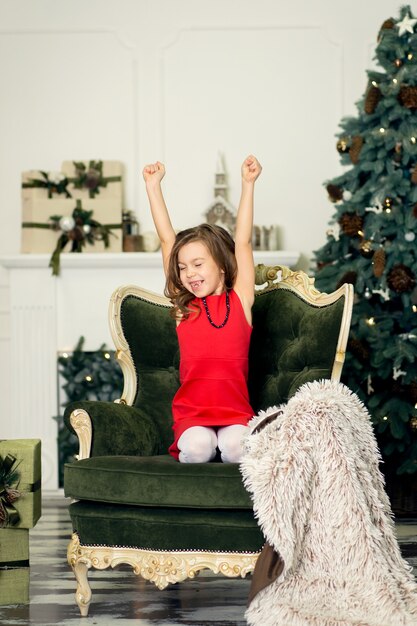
point(132, 502)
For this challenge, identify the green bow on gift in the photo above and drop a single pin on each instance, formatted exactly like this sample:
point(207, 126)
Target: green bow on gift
point(91, 178)
point(9, 516)
point(52, 182)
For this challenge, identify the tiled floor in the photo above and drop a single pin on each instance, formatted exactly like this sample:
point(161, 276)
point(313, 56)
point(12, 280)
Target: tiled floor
point(119, 596)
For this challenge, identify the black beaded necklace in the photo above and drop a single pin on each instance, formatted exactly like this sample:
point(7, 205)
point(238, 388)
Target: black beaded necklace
point(209, 316)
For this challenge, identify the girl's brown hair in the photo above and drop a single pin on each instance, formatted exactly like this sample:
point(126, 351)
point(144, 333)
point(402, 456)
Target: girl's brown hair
point(221, 247)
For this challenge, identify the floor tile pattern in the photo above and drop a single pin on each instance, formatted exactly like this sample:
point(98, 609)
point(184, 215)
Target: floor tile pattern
point(121, 597)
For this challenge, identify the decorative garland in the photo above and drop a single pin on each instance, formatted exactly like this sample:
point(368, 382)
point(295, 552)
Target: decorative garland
point(79, 228)
point(9, 516)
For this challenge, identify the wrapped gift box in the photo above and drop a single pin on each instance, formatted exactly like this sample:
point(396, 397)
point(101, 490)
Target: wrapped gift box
point(36, 240)
point(14, 566)
point(28, 464)
point(112, 173)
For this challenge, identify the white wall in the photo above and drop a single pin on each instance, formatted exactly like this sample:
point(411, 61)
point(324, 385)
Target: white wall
point(178, 80)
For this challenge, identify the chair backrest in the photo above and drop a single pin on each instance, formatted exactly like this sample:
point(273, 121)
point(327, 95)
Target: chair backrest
point(299, 335)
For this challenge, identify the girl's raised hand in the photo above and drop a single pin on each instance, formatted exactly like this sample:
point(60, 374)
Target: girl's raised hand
point(153, 173)
point(251, 169)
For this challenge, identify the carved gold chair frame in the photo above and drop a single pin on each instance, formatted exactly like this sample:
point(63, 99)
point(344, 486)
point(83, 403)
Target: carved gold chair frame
point(160, 567)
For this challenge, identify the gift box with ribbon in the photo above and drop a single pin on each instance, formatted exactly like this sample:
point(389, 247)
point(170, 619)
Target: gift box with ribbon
point(14, 566)
point(68, 225)
point(20, 484)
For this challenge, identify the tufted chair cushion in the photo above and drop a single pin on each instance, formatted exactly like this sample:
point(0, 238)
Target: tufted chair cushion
point(293, 342)
point(150, 332)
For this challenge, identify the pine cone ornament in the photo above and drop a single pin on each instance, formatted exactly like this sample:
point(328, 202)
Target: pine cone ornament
point(397, 389)
point(358, 350)
point(408, 96)
point(412, 393)
point(335, 193)
point(355, 148)
point(401, 278)
point(373, 96)
point(351, 223)
point(387, 25)
point(350, 277)
point(379, 262)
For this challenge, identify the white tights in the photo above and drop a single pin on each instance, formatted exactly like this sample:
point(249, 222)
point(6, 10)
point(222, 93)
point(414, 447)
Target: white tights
point(198, 444)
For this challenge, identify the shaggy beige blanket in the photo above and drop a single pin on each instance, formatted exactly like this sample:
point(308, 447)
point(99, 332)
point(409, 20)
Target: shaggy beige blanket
point(319, 497)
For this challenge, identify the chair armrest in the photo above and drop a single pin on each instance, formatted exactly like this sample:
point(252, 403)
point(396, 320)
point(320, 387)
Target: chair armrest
point(116, 429)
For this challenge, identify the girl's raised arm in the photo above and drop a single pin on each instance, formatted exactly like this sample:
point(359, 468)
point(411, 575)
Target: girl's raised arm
point(245, 281)
point(153, 175)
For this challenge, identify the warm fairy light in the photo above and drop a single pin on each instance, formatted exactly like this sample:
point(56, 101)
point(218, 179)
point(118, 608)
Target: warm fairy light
point(414, 308)
point(382, 130)
point(388, 210)
point(374, 83)
point(395, 81)
point(88, 379)
point(409, 56)
point(413, 139)
point(370, 321)
point(65, 355)
point(415, 406)
point(385, 418)
point(106, 355)
point(360, 233)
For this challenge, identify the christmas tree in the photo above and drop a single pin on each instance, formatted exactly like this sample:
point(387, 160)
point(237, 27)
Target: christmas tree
point(372, 243)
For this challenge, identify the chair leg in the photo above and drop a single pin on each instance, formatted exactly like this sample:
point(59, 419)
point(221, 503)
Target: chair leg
point(83, 593)
point(80, 568)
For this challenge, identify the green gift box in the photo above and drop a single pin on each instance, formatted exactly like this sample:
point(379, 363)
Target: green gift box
point(14, 566)
point(27, 453)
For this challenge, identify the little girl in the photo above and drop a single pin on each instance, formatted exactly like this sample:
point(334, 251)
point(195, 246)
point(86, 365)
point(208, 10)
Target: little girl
point(210, 280)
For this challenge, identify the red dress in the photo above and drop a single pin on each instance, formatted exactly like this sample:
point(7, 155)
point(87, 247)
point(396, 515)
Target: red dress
point(213, 368)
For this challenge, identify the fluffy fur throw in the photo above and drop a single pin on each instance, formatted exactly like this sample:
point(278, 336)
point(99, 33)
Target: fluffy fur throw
point(319, 497)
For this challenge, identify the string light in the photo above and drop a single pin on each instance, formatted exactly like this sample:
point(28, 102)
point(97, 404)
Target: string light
point(374, 83)
point(395, 81)
point(382, 130)
point(385, 418)
point(106, 355)
point(64, 355)
point(413, 139)
point(370, 321)
point(414, 308)
point(409, 56)
point(88, 379)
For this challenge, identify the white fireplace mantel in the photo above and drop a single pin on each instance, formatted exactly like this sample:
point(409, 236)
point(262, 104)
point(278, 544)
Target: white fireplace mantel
point(133, 260)
point(49, 314)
